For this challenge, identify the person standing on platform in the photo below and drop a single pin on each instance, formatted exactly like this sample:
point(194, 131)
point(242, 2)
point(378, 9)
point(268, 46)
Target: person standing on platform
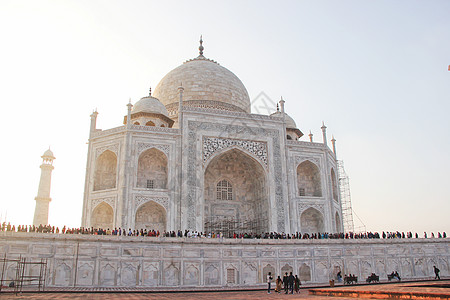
point(279, 283)
point(291, 282)
point(286, 282)
point(269, 280)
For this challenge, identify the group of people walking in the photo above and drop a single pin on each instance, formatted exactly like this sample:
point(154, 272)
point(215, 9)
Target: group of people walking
point(288, 284)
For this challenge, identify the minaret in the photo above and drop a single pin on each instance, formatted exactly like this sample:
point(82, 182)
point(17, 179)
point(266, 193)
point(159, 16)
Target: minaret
point(43, 197)
point(333, 141)
point(324, 133)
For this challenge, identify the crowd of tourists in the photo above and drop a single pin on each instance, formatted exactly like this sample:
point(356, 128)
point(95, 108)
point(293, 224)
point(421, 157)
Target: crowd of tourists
point(195, 234)
point(289, 283)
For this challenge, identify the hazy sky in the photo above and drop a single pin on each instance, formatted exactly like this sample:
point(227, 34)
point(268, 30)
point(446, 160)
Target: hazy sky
point(375, 71)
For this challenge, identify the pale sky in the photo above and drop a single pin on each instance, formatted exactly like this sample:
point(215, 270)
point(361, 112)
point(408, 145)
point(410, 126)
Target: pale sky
point(376, 72)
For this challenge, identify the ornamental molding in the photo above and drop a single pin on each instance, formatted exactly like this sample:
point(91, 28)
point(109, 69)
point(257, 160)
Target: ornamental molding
point(140, 200)
point(212, 145)
point(154, 129)
point(141, 147)
point(192, 184)
point(113, 148)
point(111, 201)
point(304, 206)
point(229, 113)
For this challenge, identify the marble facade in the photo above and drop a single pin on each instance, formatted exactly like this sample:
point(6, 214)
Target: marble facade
point(109, 261)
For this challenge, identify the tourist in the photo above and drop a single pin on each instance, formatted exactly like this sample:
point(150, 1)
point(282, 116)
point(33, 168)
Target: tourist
point(339, 276)
point(291, 282)
point(286, 282)
point(269, 280)
point(278, 282)
point(297, 284)
point(436, 273)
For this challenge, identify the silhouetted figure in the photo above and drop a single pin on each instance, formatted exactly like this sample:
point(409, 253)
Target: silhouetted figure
point(436, 273)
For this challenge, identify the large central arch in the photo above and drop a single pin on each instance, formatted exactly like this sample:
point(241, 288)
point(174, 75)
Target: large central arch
point(235, 195)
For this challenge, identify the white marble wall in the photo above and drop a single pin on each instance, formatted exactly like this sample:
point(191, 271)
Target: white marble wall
point(79, 260)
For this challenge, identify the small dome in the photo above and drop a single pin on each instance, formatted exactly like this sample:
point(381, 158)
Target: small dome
point(48, 154)
point(290, 123)
point(150, 104)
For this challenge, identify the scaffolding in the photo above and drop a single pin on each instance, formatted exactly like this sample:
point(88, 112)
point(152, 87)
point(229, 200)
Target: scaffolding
point(346, 200)
point(21, 267)
point(229, 226)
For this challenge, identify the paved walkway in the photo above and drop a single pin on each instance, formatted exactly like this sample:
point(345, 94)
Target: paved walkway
point(439, 289)
point(244, 295)
point(407, 290)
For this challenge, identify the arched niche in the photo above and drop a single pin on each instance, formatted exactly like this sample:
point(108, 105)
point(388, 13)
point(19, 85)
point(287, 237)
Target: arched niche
point(338, 223)
point(102, 216)
point(334, 185)
point(308, 180)
point(150, 123)
point(151, 216)
point(311, 221)
point(246, 206)
point(105, 171)
point(152, 169)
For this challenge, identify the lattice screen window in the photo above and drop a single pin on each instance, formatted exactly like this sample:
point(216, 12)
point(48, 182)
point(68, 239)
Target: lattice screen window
point(231, 276)
point(301, 191)
point(224, 190)
point(150, 184)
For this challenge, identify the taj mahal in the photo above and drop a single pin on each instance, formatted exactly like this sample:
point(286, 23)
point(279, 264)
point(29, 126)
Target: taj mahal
point(192, 155)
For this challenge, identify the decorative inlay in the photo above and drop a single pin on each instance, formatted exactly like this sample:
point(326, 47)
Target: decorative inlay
point(214, 144)
point(109, 200)
point(144, 146)
point(113, 148)
point(300, 159)
point(304, 206)
point(139, 200)
point(192, 197)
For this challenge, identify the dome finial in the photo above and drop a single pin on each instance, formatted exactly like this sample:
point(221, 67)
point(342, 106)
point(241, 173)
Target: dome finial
point(278, 107)
point(150, 91)
point(201, 48)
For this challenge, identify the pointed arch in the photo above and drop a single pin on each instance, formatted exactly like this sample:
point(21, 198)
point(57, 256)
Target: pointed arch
point(311, 221)
point(261, 161)
point(151, 216)
point(102, 216)
point(149, 123)
point(105, 172)
point(334, 185)
point(152, 169)
point(243, 203)
point(308, 180)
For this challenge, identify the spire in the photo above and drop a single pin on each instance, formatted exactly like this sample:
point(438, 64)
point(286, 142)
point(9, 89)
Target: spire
point(310, 136)
point(333, 141)
point(129, 106)
point(282, 104)
point(201, 48)
point(324, 133)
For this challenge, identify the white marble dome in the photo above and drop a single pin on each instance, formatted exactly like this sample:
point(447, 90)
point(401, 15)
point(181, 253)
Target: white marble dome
point(150, 104)
point(290, 123)
point(206, 84)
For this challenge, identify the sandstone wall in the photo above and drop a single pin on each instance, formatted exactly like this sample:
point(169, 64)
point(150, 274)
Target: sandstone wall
point(79, 260)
